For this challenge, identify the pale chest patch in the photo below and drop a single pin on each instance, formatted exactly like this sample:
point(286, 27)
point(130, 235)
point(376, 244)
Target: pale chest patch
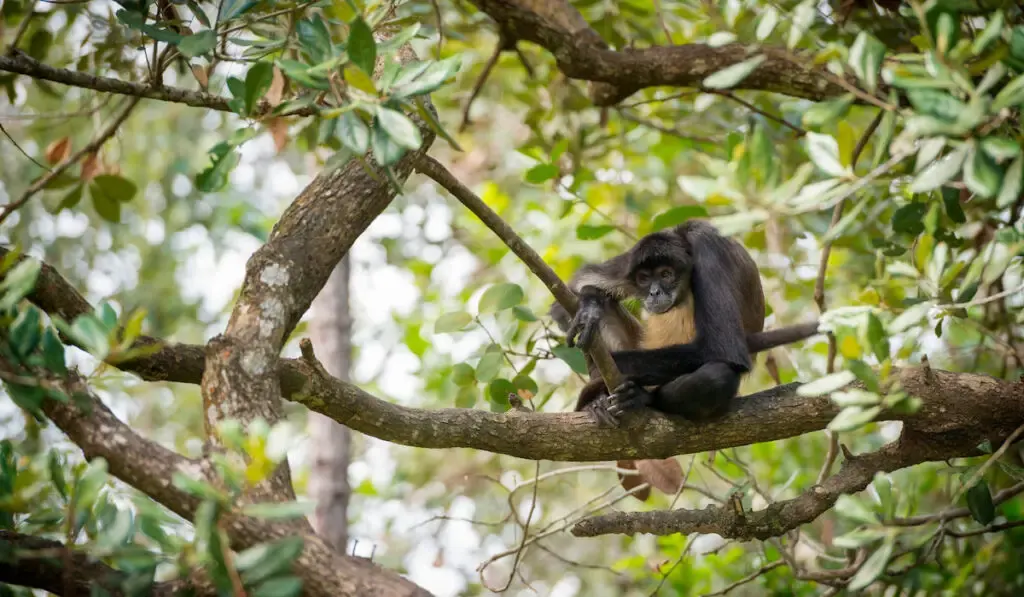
point(674, 327)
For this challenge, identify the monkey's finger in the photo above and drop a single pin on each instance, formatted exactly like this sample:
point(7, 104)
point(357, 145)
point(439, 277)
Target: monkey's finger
point(602, 416)
point(570, 336)
point(586, 338)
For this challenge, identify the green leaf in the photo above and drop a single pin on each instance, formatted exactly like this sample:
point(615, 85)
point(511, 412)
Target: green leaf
point(586, 232)
point(231, 9)
point(285, 586)
point(90, 335)
point(853, 417)
point(829, 112)
point(859, 538)
point(452, 322)
point(524, 314)
point(88, 486)
point(853, 509)
point(19, 282)
point(463, 374)
point(257, 83)
point(824, 152)
point(865, 59)
point(490, 363)
point(200, 489)
point(1012, 183)
point(980, 504)
point(500, 297)
point(827, 385)
point(498, 391)
point(55, 465)
point(399, 128)
point(940, 171)
point(573, 357)
point(992, 30)
point(766, 23)
point(53, 352)
point(224, 159)
point(803, 18)
point(361, 48)
point(1009, 96)
point(873, 567)
point(541, 173)
point(398, 40)
point(353, 133)
point(937, 103)
point(877, 338)
point(315, 39)
point(278, 510)
point(981, 174)
point(386, 151)
point(466, 398)
point(199, 44)
point(277, 558)
point(72, 198)
point(733, 75)
point(25, 332)
point(910, 317)
point(116, 188)
point(677, 215)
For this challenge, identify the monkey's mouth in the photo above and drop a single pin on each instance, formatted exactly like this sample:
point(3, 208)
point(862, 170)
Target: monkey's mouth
point(659, 305)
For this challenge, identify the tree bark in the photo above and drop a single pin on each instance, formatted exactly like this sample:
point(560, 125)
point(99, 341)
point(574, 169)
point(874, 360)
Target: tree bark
point(331, 452)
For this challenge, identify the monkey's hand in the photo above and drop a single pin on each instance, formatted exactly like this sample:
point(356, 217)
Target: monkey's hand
point(628, 396)
point(598, 409)
point(586, 323)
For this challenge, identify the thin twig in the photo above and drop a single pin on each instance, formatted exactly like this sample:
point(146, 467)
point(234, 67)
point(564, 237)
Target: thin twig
point(728, 94)
point(985, 466)
point(984, 300)
point(526, 532)
point(22, 27)
point(503, 44)
point(749, 578)
point(59, 169)
point(664, 129)
point(21, 149)
point(914, 521)
point(598, 352)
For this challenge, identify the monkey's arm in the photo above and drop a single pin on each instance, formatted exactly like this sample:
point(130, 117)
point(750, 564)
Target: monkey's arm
point(658, 366)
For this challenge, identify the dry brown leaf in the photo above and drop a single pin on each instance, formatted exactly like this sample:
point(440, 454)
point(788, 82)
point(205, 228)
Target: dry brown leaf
point(628, 482)
point(90, 166)
point(199, 72)
point(664, 475)
point(525, 394)
point(279, 131)
point(276, 91)
point(58, 151)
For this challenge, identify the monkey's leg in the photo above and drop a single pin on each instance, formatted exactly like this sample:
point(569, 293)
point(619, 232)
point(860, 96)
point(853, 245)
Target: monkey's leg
point(702, 395)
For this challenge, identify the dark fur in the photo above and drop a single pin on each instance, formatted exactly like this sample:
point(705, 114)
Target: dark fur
point(698, 379)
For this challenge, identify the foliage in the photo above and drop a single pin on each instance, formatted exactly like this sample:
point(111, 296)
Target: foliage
point(913, 175)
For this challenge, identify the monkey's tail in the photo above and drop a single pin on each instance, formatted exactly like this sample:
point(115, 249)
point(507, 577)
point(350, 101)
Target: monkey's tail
point(787, 335)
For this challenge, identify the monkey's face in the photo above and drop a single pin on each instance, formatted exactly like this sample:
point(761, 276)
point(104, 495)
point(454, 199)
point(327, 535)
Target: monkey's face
point(659, 287)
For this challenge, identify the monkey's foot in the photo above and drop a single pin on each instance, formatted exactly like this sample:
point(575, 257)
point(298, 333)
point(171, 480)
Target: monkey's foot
point(628, 396)
point(599, 410)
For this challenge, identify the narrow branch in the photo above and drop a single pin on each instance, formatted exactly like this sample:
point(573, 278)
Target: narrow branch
point(60, 168)
point(20, 63)
point(432, 168)
point(774, 520)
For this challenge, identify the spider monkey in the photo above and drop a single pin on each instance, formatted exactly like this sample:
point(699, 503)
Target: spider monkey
point(702, 293)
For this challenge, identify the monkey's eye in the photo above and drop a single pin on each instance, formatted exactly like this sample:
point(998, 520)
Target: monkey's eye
point(643, 278)
point(667, 274)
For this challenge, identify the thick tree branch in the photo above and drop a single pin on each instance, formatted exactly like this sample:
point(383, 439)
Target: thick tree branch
point(23, 64)
point(581, 54)
point(970, 404)
point(37, 563)
point(150, 468)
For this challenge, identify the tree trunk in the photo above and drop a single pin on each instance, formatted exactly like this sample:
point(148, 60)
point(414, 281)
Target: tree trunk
point(331, 333)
